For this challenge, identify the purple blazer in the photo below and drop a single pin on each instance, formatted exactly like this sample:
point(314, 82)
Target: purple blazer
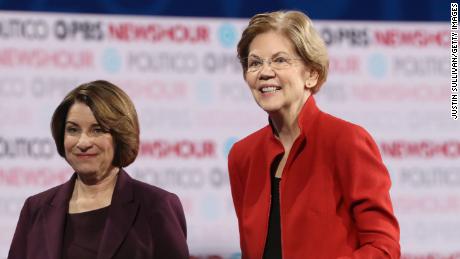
point(143, 221)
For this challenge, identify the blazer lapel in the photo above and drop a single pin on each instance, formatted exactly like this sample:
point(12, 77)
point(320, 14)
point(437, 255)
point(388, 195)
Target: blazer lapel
point(120, 218)
point(54, 215)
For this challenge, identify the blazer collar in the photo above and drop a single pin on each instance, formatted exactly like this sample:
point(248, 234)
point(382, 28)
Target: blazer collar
point(122, 212)
point(121, 215)
point(307, 115)
point(54, 214)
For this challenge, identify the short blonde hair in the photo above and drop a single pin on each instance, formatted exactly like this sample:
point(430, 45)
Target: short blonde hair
point(298, 28)
point(113, 110)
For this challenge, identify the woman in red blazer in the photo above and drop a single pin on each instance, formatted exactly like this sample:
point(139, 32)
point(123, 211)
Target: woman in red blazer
point(100, 212)
point(308, 185)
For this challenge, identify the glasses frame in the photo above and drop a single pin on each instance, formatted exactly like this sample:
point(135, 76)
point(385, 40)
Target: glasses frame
point(269, 61)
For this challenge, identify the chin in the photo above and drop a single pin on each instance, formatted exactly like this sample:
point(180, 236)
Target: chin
point(269, 107)
point(85, 170)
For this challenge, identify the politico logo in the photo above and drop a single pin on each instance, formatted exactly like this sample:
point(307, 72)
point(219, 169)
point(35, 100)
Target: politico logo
point(182, 62)
point(421, 66)
point(161, 62)
point(429, 177)
point(379, 66)
point(182, 177)
point(27, 29)
point(35, 148)
point(158, 33)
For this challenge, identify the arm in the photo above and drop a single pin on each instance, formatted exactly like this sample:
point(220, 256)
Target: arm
point(235, 182)
point(18, 248)
point(237, 189)
point(170, 230)
point(365, 184)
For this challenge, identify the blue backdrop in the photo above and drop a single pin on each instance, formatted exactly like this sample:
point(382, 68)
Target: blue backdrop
point(389, 10)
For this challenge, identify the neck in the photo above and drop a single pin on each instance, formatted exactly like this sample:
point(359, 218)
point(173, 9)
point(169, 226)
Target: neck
point(96, 188)
point(286, 124)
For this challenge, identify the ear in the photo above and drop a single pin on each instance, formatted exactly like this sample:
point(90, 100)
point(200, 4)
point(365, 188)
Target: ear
point(311, 78)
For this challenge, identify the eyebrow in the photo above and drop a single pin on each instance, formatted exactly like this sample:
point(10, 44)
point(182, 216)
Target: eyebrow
point(274, 55)
point(71, 122)
point(76, 124)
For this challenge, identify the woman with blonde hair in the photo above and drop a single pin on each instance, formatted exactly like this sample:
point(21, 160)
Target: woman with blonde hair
point(308, 185)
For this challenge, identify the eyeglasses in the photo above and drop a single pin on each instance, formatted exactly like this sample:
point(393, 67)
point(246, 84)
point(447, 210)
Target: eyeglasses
point(254, 64)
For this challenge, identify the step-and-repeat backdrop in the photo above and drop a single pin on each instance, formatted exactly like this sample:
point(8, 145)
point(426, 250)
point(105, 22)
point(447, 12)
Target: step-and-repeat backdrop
point(186, 83)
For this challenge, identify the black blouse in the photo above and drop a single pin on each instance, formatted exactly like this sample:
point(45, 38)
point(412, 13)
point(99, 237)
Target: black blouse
point(273, 243)
point(82, 234)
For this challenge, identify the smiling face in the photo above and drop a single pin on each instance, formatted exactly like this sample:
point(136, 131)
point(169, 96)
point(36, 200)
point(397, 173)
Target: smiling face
point(278, 87)
point(88, 148)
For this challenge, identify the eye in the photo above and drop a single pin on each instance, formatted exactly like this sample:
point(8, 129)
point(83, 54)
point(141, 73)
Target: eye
point(254, 62)
point(71, 130)
point(98, 130)
point(280, 60)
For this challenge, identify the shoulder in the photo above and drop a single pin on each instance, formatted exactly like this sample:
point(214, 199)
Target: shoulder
point(34, 204)
point(345, 137)
point(43, 198)
point(340, 129)
point(250, 143)
point(340, 135)
point(154, 196)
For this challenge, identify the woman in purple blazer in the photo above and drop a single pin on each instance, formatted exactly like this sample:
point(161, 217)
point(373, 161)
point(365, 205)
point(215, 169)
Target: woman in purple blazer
point(101, 212)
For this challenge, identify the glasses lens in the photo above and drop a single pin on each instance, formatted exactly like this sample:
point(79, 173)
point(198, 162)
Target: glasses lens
point(280, 62)
point(254, 64)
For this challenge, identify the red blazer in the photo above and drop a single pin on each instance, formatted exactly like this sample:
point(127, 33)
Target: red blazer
point(143, 222)
point(334, 192)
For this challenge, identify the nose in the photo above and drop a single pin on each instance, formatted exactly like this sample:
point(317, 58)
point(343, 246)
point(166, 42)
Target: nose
point(84, 142)
point(266, 71)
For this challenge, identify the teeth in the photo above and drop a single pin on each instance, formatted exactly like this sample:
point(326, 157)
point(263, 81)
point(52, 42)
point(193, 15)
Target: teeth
point(268, 89)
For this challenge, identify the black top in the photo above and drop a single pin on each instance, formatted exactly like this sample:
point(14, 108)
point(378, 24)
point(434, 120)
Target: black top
point(273, 243)
point(82, 234)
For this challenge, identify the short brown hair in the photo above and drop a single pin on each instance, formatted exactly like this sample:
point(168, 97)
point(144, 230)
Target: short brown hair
point(298, 28)
point(113, 110)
